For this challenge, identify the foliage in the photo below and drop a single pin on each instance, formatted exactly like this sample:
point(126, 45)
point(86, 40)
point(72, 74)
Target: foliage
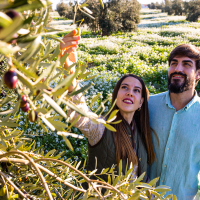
point(36, 80)
point(117, 15)
point(155, 5)
point(193, 10)
point(60, 18)
point(179, 7)
point(65, 10)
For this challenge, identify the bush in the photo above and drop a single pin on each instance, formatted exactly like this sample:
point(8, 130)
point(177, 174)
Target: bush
point(117, 15)
point(193, 10)
point(33, 104)
point(65, 10)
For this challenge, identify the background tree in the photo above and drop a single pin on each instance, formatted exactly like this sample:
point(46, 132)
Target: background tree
point(168, 7)
point(117, 15)
point(192, 9)
point(65, 10)
point(34, 89)
point(155, 5)
point(152, 6)
point(177, 7)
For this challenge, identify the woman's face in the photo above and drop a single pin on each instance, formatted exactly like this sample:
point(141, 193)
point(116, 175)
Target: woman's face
point(129, 97)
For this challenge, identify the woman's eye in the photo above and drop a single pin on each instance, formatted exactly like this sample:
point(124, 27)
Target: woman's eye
point(124, 87)
point(136, 90)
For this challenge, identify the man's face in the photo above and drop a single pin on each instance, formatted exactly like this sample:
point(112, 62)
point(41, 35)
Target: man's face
point(182, 74)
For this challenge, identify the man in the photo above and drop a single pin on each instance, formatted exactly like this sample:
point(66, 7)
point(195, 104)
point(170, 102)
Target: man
point(175, 117)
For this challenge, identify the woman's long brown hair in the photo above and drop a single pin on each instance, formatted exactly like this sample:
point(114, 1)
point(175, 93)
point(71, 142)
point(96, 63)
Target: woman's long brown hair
point(124, 148)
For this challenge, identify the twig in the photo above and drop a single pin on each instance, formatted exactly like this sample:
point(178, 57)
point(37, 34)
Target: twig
point(64, 163)
point(54, 160)
point(15, 187)
point(2, 181)
point(73, 195)
point(113, 188)
point(26, 162)
point(58, 193)
point(80, 173)
point(35, 166)
point(5, 186)
point(96, 190)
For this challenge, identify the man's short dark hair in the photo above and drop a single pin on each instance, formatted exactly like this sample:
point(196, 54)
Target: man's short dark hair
point(187, 50)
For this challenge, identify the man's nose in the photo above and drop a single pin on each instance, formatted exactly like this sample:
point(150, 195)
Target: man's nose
point(179, 67)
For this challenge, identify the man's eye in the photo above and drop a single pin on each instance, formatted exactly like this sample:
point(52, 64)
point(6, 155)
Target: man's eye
point(173, 63)
point(187, 64)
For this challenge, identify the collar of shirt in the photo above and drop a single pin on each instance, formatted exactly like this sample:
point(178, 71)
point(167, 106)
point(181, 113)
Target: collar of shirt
point(194, 100)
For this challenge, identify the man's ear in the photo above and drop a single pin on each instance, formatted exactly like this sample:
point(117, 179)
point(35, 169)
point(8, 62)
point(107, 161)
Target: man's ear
point(197, 74)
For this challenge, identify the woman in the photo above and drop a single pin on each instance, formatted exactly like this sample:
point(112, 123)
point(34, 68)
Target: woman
point(132, 141)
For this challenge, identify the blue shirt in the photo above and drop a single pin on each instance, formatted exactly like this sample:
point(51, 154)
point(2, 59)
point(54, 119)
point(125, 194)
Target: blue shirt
point(178, 151)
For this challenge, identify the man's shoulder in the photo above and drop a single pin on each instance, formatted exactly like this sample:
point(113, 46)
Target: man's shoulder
point(158, 96)
point(197, 101)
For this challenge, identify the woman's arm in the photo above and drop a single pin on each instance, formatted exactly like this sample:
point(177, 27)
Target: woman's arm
point(93, 132)
point(70, 45)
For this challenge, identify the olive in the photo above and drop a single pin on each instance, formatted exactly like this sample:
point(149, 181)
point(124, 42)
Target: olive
point(3, 94)
point(12, 13)
point(23, 101)
point(10, 79)
point(30, 117)
point(26, 107)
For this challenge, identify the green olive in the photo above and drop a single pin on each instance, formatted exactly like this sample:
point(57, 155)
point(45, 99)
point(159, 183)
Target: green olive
point(78, 31)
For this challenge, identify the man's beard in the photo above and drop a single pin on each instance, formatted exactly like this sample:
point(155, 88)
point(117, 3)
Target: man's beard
point(176, 86)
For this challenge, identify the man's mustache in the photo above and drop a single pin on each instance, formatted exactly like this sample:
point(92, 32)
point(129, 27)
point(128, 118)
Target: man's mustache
point(178, 73)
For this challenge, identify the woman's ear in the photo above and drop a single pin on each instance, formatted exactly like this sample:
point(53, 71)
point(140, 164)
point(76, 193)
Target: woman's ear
point(141, 101)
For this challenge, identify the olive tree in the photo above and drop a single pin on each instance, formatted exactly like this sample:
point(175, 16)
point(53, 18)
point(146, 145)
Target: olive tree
point(34, 86)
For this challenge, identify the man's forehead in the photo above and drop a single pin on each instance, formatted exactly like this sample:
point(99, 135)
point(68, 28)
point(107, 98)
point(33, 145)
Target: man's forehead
point(183, 58)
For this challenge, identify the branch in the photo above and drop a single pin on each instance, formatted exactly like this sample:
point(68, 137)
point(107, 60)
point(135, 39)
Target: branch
point(4, 183)
point(64, 163)
point(80, 173)
point(35, 166)
point(96, 190)
point(11, 183)
point(26, 162)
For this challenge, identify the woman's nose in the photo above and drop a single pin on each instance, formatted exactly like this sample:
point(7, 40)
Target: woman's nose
point(129, 94)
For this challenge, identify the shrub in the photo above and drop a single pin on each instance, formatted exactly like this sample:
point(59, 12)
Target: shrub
point(117, 15)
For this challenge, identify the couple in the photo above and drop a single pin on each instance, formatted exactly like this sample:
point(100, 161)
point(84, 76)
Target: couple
point(173, 150)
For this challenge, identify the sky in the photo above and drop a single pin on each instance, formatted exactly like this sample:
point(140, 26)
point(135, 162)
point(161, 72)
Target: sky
point(140, 1)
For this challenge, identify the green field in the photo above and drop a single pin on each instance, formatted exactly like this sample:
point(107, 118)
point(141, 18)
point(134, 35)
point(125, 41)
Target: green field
point(143, 53)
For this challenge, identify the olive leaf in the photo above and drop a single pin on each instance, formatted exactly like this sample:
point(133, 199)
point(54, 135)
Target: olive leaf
point(54, 105)
point(68, 143)
point(48, 123)
point(112, 116)
point(5, 20)
point(70, 134)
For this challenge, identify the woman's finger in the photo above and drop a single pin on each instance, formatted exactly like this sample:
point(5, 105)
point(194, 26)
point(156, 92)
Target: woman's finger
point(68, 44)
point(69, 50)
point(72, 33)
point(71, 38)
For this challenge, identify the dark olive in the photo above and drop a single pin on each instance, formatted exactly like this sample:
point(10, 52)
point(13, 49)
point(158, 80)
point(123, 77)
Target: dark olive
point(23, 101)
point(12, 13)
point(26, 107)
point(10, 79)
point(30, 117)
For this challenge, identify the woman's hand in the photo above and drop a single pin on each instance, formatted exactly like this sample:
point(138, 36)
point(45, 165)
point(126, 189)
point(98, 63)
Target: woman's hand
point(70, 46)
